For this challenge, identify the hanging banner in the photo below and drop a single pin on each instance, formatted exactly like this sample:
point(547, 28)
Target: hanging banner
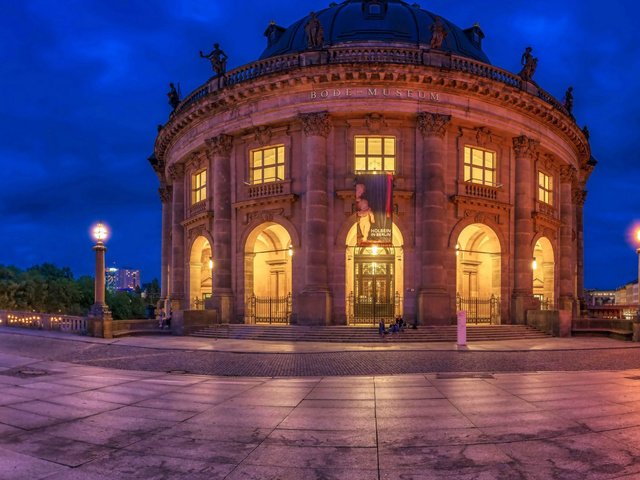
point(374, 209)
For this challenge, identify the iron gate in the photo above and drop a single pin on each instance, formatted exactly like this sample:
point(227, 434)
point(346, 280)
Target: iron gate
point(480, 310)
point(269, 310)
point(369, 311)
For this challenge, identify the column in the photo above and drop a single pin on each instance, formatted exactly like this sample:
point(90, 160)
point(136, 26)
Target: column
point(526, 151)
point(166, 198)
point(579, 197)
point(176, 173)
point(434, 305)
point(567, 254)
point(220, 148)
point(314, 303)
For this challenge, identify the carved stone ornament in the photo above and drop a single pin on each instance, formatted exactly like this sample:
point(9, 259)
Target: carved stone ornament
point(195, 162)
point(433, 124)
point(166, 193)
point(220, 145)
point(196, 232)
point(525, 146)
point(483, 136)
point(579, 196)
point(316, 124)
point(263, 215)
point(176, 171)
point(568, 174)
point(549, 162)
point(263, 135)
point(375, 122)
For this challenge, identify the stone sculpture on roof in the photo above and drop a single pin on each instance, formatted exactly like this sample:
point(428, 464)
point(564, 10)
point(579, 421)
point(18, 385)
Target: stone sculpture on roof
point(174, 96)
point(218, 59)
point(529, 65)
point(314, 31)
point(438, 34)
point(568, 100)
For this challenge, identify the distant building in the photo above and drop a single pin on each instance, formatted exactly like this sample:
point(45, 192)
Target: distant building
point(627, 294)
point(624, 295)
point(122, 279)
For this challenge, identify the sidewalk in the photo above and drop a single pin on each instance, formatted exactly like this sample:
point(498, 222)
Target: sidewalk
point(161, 342)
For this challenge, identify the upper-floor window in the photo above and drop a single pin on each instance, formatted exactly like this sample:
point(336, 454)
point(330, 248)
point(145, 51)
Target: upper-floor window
point(479, 166)
point(375, 154)
point(198, 187)
point(545, 188)
point(267, 165)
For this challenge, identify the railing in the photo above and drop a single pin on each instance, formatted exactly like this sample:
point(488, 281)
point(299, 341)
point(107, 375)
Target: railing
point(546, 209)
point(369, 311)
point(480, 310)
point(271, 310)
point(268, 189)
point(375, 55)
point(627, 312)
point(198, 208)
point(545, 303)
point(365, 54)
point(43, 321)
point(482, 191)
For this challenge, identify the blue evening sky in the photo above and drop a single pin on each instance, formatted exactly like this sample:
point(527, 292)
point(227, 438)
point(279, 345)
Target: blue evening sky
point(84, 85)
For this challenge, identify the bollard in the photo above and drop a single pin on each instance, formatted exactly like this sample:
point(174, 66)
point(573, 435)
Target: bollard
point(462, 328)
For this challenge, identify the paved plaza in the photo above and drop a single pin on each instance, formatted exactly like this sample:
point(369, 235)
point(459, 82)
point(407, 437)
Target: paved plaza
point(79, 408)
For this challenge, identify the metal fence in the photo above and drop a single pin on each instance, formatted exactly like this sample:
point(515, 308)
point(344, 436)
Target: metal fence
point(368, 311)
point(480, 310)
point(269, 310)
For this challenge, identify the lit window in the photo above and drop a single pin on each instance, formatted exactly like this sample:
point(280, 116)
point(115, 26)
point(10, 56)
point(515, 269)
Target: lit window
point(375, 154)
point(479, 166)
point(267, 165)
point(198, 187)
point(545, 188)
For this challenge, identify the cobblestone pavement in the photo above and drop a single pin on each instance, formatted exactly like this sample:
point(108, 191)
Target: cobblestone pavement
point(318, 363)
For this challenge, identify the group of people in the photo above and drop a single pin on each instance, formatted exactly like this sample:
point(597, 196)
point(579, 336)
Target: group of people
point(396, 326)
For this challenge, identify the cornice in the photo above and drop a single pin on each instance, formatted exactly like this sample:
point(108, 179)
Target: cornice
point(418, 77)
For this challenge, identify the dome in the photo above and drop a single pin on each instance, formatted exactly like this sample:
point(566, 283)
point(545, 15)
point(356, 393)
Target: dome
point(384, 21)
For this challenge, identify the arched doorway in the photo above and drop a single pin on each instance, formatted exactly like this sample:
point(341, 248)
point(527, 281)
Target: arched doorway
point(544, 273)
point(374, 279)
point(200, 273)
point(478, 274)
point(267, 275)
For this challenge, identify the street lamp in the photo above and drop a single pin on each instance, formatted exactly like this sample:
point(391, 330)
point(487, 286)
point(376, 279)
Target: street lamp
point(100, 313)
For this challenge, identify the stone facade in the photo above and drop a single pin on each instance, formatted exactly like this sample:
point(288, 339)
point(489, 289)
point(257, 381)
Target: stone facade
point(439, 108)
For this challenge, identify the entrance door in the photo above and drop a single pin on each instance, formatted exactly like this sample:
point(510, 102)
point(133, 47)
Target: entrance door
point(374, 293)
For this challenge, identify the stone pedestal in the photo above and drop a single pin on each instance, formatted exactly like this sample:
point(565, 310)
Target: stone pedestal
point(314, 308)
point(100, 322)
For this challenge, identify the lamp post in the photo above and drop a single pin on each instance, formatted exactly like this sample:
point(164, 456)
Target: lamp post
point(100, 315)
point(637, 238)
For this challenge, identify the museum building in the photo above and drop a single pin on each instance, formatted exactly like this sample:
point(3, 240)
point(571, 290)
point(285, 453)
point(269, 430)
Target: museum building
point(372, 163)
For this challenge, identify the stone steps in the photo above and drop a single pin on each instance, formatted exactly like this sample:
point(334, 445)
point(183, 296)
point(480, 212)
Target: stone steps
point(291, 333)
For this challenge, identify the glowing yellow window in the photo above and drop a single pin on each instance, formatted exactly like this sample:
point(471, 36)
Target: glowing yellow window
point(545, 188)
point(375, 154)
point(479, 166)
point(198, 187)
point(267, 165)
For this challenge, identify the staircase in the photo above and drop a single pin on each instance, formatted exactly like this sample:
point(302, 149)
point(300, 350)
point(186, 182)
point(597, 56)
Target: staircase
point(295, 333)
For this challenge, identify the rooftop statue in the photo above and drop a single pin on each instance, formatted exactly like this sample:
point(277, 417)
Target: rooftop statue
point(174, 96)
point(568, 100)
point(314, 31)
point(529, 65)
point(218, 59)
point(586, 132)
point(438, 34)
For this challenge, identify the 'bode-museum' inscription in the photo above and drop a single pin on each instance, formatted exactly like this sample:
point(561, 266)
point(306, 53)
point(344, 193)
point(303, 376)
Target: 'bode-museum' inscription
point(375, 93)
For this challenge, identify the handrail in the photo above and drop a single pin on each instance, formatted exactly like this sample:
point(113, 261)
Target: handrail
point(363, 54)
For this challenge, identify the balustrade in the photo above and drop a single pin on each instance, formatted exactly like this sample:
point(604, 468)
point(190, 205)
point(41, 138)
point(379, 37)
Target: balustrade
point(43, 321)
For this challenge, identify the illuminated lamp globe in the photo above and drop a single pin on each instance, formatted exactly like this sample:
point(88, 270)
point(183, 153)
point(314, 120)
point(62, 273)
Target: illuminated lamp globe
point(100, 232)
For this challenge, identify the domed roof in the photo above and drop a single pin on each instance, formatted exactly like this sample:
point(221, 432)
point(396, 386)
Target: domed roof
point(386, 21)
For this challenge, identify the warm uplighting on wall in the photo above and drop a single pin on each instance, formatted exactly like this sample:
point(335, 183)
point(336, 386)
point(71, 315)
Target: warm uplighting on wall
point(100, 232)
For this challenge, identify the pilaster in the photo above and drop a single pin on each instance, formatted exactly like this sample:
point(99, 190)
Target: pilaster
point(434, 304)
point(176, 295)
